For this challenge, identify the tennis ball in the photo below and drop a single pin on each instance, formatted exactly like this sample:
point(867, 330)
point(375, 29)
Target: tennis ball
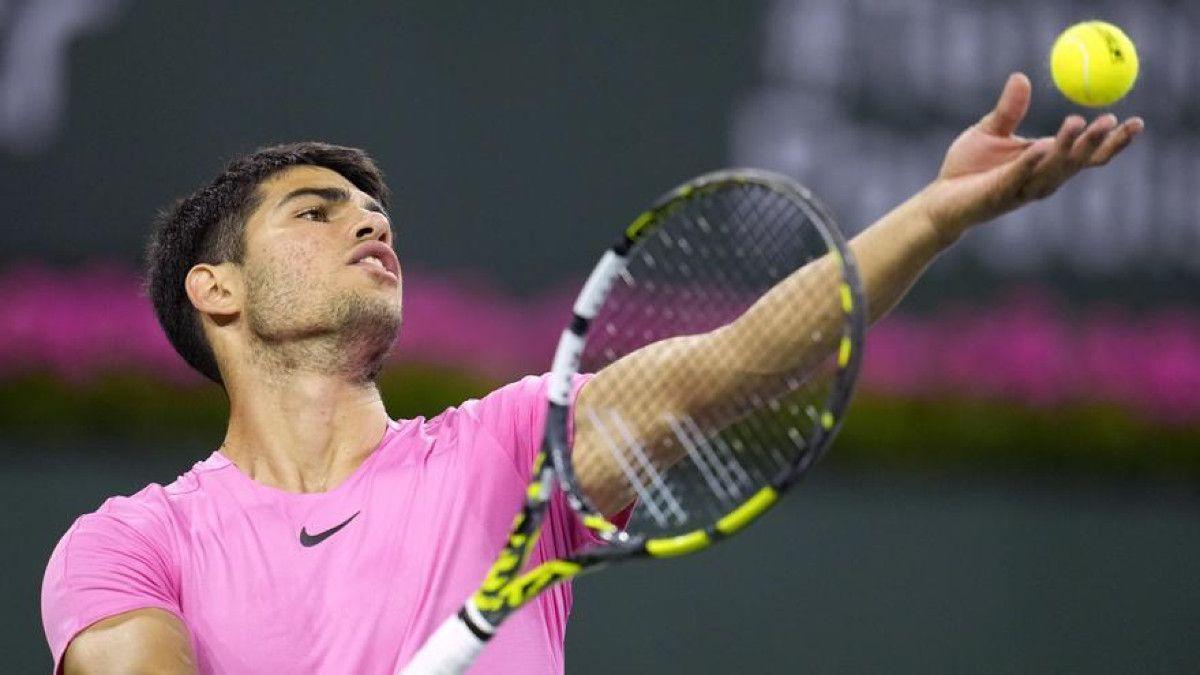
point(1093, 63)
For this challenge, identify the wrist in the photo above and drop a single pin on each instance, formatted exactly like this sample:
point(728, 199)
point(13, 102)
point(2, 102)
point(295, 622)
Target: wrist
point(944, 227)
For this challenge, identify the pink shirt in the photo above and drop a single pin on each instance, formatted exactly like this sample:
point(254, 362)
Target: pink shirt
point(421, 521)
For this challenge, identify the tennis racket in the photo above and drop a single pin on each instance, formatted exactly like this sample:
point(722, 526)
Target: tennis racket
point(726, 329)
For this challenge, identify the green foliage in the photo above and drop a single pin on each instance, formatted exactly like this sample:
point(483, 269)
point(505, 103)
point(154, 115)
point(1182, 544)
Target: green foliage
point(880, 432)
point(147, 409)
point(115, 406)
point(981, 434)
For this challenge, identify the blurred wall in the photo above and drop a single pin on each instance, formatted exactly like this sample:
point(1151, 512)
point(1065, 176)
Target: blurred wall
point(502, 128)
point(860, 98)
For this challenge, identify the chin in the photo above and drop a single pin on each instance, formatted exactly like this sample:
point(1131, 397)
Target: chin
point(371, 314)
point(366, 330)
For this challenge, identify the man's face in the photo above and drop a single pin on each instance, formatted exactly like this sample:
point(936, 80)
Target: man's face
point(319, 262)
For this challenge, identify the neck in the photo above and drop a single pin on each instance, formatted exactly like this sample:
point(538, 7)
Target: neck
point(302, 431)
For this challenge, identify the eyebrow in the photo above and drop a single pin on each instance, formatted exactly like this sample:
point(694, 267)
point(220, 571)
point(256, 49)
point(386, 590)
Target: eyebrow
point(330, 194)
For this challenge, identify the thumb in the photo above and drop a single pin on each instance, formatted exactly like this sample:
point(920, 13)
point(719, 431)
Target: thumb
point(1010, 108)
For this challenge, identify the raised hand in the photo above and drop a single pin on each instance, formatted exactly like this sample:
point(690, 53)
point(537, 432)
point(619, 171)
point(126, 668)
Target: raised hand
point(989, 170)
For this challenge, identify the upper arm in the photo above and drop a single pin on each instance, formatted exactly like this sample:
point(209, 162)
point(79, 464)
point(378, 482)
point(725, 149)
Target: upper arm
point(515, 416)
point(109, 564)
point(634, 397)
point(139, 641)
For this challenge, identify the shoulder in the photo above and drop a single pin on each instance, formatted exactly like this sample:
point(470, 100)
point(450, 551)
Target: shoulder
point(149, 512)
point(141, 527)
point(496, 406)
point(520, 403)
point(115, 559)
point(502, 425)
point(525, 390)
point(123, 527)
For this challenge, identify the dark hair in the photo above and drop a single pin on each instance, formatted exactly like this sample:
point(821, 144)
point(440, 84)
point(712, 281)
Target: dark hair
point(208, 227)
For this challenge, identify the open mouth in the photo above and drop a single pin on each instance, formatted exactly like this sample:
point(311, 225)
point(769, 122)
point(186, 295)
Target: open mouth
point(372, 261)
point(377, 257)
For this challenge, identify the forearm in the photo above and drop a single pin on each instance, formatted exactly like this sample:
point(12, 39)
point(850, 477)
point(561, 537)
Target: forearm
point(894, 251)
point(790, 329)
point(798, 322)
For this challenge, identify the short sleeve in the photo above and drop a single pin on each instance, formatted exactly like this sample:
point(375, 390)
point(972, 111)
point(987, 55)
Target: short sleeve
point(109, 562)
point(516, 415)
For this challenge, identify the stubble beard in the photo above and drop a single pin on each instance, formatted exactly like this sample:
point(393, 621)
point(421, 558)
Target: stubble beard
point(304, 326)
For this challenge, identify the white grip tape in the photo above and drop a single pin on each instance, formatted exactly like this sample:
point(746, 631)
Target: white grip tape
point(595, 289)
point(449, 651)
point(566, 364)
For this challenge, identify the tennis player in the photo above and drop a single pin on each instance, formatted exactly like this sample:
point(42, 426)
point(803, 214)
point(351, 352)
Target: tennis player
point(323, 536)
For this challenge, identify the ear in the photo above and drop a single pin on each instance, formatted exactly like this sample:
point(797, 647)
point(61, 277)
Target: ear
point(215, 290)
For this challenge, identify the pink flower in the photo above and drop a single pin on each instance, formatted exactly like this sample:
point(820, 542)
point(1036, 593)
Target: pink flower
point(79, 324)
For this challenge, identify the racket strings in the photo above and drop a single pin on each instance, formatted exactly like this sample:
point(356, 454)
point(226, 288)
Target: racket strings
point(643, 477)
point(718, 473)
point(710, 260)
point(664, 298)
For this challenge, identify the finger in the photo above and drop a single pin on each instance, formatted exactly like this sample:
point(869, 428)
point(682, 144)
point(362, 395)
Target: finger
point(1054, 162)
point(1087, 142)
point(1010, 108)
point(1015, 178)
point(1071, 128)
point(1116, 141)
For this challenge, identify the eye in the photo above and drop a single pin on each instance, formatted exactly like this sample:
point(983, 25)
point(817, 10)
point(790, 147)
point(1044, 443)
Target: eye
point(318, 214)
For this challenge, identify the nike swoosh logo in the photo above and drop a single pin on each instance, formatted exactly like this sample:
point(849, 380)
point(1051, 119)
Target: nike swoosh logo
point(307, 539)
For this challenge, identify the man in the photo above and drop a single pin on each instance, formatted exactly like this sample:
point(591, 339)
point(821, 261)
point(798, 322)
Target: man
point(323, 536)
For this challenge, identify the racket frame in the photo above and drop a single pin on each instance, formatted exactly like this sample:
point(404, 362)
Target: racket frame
point(505, 588)
point(592, 297)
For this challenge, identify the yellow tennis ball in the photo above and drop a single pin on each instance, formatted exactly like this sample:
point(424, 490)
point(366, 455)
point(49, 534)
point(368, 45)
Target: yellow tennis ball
point(1094, 63)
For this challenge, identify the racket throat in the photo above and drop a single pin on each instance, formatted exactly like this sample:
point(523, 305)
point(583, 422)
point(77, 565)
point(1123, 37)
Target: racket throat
point(475, 622)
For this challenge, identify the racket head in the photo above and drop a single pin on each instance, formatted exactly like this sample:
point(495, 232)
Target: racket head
point(699, 257)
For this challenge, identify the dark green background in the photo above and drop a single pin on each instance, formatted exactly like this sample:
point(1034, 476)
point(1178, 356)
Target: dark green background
point(516, 139)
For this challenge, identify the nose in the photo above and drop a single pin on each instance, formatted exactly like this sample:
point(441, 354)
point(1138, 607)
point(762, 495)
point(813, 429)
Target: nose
point(374, 225)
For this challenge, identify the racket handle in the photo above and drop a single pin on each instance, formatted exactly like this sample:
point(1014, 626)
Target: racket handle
point(451, 649)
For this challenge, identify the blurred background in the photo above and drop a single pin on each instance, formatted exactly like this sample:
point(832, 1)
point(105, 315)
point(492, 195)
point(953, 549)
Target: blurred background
point(1016, 489)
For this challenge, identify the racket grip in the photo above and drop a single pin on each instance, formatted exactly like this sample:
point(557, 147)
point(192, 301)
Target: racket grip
point(451, 649)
